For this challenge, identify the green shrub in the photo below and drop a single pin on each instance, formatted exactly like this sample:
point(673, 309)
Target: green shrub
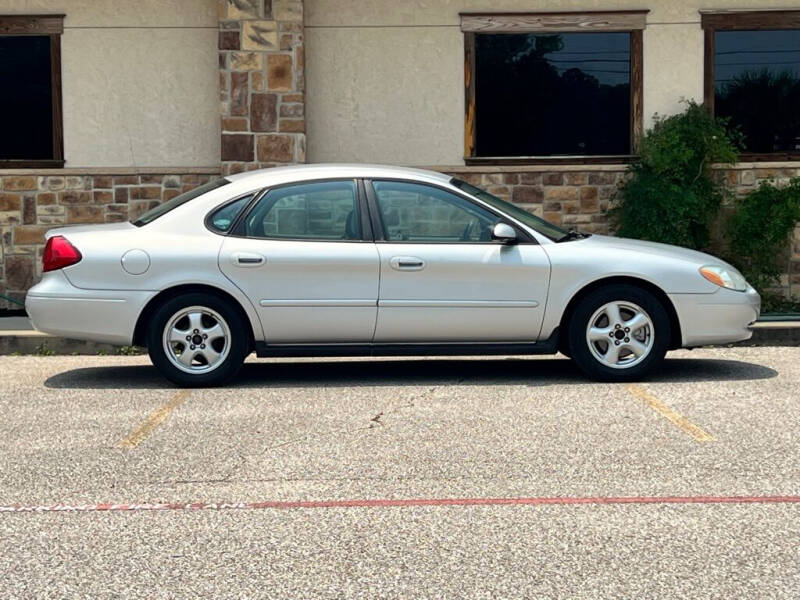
point(777, 303)
point(129, 350)
point(759, 231)
point(670, 196)
point(43, 350)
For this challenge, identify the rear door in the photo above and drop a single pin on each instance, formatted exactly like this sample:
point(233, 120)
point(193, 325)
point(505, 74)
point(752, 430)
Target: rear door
point(304, 255)
point(443, 278)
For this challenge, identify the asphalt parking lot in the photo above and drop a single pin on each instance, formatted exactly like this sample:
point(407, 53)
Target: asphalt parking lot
point(502, 477)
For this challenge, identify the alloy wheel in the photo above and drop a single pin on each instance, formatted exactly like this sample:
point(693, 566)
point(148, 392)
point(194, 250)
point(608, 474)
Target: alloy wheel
point(620, 334)
point(196, 339)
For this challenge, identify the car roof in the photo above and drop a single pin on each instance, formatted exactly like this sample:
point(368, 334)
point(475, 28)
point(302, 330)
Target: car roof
point(275, 175)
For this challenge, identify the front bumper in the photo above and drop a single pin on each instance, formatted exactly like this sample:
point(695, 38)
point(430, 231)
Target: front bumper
point(723, 317)
point(57, 307)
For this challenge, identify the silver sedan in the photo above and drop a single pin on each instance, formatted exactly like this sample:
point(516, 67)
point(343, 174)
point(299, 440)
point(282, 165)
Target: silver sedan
point(354, 260)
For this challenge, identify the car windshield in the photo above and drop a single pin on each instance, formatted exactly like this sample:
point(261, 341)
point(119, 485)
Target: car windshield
point(538, 224)
point(162, 209)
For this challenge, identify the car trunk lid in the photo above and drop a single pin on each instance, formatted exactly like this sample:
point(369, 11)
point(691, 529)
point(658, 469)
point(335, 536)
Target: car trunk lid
point(99, 227)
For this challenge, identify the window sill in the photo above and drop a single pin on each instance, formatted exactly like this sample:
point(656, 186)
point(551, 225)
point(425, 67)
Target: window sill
point(10, 168)
point(770, 157)
point(31, 164)
point(622, 159)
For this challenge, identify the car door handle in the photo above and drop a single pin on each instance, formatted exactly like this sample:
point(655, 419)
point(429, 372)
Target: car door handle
point(407, 263)
point(246, 259)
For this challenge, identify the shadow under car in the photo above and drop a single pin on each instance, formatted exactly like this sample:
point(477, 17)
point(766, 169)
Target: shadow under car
point(370, 372)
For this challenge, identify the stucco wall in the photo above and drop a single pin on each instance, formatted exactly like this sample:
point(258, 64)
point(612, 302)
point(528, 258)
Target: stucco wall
point(140, 81)
point(385, 80)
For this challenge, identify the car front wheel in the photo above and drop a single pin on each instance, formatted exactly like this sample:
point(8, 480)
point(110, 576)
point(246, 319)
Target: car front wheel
point(619, 333)
point(197, 340)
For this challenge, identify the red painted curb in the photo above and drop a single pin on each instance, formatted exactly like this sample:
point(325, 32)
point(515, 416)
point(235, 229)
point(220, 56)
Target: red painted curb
point(383, 503)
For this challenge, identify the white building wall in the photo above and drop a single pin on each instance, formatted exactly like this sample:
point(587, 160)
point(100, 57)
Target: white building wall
point(140, 81)
point(385, 80)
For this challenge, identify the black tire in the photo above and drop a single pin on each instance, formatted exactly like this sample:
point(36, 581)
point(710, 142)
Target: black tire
point(579, 346)
point(563, 346)
point(238, 342)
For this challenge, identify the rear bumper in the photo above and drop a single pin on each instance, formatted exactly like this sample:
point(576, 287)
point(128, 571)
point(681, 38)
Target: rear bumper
point(723, 317)
point(57, 307)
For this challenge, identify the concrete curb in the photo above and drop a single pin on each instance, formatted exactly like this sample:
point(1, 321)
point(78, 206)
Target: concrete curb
point(33, 342)
point(780, 333)
point(774, 333)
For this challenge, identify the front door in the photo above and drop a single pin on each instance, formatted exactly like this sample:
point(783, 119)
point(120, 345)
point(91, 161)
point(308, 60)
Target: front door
point(301, 257)
point(443, 278)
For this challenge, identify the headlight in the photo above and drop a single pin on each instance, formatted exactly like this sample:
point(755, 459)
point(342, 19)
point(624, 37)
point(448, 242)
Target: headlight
point(724, 277)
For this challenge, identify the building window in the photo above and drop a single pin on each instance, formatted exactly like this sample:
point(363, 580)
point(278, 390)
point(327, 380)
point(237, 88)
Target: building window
point(553, 87)
point(752, 77)
point(30, 105)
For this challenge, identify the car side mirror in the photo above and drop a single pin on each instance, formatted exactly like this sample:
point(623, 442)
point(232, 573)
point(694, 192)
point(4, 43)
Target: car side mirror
point(503, 232)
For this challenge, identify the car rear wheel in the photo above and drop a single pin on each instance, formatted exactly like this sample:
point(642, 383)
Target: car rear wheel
point(619, 333)
point(197, 340)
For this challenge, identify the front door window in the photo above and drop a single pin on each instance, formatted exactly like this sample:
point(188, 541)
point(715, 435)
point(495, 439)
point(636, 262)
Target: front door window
point(413, 212)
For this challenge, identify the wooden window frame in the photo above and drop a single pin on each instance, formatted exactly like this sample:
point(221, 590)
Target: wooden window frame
point(622, 21)
point(51, 26)
point(737, 20)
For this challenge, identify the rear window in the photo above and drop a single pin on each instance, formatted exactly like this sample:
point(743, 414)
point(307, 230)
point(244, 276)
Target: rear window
point(223, 218)
point(162, 209)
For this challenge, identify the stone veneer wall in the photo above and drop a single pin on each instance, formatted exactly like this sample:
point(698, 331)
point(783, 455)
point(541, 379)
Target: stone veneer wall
point(570, 196)
point(31, 204)
point(262, 83)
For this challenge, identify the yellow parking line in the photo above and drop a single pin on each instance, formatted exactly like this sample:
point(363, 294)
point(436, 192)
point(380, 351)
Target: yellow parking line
point(675, 418)
point(158, 416)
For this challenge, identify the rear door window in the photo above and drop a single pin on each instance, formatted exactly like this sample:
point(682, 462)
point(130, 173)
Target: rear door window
point(326, 210)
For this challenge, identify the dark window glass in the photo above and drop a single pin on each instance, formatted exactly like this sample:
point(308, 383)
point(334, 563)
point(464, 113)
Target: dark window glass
point(757, 85)
point(420, 213)
point(314, 211)
point(557, 94)
point(26, 112)
point(222, 219)
point(162, 209)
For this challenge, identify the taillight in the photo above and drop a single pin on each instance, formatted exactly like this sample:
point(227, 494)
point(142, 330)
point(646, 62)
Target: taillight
point(59, 253)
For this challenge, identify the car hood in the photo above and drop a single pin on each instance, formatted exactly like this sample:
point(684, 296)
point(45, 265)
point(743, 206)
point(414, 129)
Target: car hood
point(653, 248)
point(104, 227)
